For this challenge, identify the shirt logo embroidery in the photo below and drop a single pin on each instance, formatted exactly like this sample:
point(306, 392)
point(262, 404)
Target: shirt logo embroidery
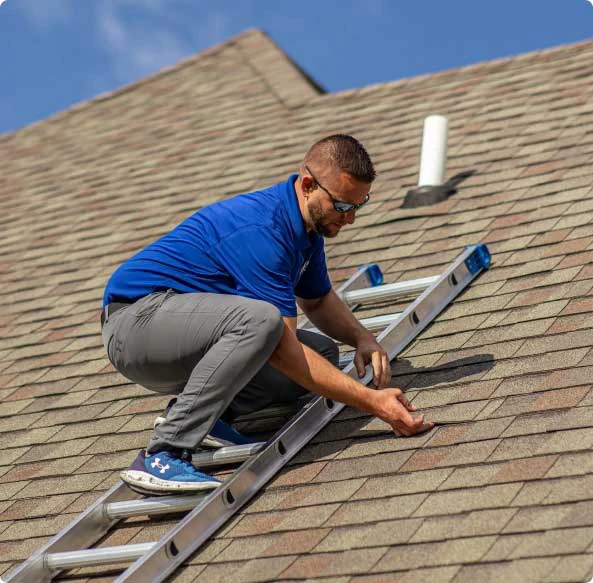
point(305, 265)
point(157, 464)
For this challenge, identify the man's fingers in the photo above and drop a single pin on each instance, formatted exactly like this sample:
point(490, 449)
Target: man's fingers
point(402, 399)
point(417, 426)
point(359, 363)
point(377, 369)
point(386, 371)
point(381, 369)
point(407, 420)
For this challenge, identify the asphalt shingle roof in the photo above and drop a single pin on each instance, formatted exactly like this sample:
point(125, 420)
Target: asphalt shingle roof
point(503, 492)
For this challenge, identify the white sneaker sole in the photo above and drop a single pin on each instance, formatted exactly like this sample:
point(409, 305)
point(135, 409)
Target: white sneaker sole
point(144, 482)
point(208, 441)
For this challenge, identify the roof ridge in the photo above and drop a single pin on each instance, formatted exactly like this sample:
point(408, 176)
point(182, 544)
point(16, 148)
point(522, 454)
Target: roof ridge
point(107, 95)
point(517, 58)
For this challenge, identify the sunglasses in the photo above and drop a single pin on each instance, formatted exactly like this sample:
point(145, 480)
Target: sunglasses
point(339, 205)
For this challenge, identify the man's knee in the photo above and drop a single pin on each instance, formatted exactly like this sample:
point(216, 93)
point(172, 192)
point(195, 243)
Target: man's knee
point(268, 320)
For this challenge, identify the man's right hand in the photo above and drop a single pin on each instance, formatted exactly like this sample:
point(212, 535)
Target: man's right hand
point(310, 370)
point(392, 407)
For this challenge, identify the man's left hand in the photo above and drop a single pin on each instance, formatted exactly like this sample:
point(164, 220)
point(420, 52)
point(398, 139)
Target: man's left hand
point(369, 350)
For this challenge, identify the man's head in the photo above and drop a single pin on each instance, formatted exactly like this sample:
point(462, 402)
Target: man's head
point(335, 180)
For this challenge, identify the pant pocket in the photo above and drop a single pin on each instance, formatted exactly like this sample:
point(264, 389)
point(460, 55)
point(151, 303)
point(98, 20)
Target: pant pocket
point(153, 302)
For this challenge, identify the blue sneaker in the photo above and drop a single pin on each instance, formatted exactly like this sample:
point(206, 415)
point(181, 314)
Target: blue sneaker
point(166, 473)
point(221, 435)
point(224, 435)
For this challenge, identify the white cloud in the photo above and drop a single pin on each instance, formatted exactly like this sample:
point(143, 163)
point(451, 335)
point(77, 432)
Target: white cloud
point(137, 46)
point(143, 36)
point(46, 13)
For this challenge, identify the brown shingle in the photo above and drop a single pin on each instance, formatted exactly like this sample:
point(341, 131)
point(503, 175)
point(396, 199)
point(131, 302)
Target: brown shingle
point(305, 518)
point(517, 571)
point(458, 551)
point(360, 512)
point(369, 535)
point(496, 496)
point(351, 562)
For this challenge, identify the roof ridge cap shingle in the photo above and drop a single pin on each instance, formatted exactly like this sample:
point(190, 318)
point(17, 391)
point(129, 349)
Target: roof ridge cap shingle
point(518, 58)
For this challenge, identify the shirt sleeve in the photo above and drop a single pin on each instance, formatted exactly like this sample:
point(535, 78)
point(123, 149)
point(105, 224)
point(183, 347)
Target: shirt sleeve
point(260, 263)
point(314, 282)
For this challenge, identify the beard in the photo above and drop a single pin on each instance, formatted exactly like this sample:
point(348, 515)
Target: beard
point(320, 223)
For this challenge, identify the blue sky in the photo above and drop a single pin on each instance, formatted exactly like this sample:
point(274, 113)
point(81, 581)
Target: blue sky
point(60, 52)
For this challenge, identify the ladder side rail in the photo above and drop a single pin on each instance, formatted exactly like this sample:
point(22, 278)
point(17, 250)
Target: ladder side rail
point(197, 526)
point(85, 530)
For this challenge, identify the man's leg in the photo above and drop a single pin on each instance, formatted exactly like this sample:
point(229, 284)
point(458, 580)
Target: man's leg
point(204, 347)
point(270, 387)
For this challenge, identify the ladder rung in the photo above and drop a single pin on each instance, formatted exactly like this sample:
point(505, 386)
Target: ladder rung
point(151, 506)
point(389, 291)
point(94, 557)
point(226, 455)
point(346, 358)
point(375, 323)
point(380, 322)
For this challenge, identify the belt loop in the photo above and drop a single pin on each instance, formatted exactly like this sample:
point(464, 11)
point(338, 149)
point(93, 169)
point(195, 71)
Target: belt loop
point(106, 312)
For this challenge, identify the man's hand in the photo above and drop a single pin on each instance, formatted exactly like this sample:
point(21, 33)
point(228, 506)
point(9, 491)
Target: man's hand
point(392, 407)
point(369, 350)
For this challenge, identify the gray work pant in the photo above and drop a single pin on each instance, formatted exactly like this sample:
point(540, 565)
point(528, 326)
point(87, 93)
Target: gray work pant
point(210, 350)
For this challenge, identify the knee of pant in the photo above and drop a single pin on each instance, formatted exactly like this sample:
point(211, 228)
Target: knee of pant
point(269, 322)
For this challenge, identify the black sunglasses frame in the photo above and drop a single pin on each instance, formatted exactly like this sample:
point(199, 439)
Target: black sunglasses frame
point(340, 206)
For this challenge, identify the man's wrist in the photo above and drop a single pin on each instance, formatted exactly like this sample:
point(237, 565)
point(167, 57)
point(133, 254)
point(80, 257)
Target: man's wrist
point(363, 335)
point(369, 401)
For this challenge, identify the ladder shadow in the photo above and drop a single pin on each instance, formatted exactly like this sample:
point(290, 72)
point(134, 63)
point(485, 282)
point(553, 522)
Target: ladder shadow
point(408, 376)
point(350, 426)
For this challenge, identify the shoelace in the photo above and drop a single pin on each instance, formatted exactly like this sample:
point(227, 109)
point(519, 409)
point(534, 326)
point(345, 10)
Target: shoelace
point(187, 465)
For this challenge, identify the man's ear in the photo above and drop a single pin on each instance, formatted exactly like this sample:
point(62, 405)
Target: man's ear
point(308, 184)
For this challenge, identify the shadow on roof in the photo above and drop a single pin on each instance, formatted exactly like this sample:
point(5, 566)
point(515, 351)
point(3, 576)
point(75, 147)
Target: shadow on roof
point(409, 377)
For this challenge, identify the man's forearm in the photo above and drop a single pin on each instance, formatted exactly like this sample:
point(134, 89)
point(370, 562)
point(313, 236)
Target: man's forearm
point(334, 318)
point(310, 370)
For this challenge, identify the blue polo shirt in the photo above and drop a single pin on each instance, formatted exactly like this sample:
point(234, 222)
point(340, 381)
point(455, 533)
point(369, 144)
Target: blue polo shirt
point(253, 245)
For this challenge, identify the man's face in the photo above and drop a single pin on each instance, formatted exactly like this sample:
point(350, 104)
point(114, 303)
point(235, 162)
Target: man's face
point(327, 221)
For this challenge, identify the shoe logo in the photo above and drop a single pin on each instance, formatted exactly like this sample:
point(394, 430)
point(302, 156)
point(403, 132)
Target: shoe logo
point(157, 464)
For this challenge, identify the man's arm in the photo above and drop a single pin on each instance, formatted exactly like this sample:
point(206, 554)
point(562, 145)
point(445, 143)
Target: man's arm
point(331, 315)
point(310, 370)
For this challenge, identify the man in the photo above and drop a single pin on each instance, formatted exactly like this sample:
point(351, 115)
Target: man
point(208, 313)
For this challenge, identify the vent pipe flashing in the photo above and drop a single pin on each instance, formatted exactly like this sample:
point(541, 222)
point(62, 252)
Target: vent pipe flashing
point(432, 187)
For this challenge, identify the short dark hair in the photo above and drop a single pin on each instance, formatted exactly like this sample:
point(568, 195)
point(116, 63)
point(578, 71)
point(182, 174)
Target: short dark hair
point(344, 153)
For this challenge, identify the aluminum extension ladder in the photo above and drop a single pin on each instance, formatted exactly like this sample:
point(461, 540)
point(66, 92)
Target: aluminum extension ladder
point(153, 562)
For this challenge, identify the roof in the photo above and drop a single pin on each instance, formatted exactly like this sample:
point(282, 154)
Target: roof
point(502, 493)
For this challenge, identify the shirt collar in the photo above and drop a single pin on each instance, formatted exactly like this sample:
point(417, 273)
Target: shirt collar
point(296, 218)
